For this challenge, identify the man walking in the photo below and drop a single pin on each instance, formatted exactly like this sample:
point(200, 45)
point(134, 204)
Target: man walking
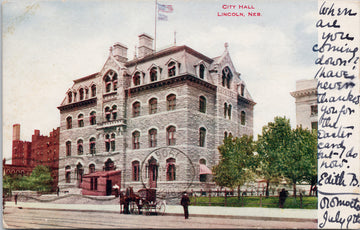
point(185, 201)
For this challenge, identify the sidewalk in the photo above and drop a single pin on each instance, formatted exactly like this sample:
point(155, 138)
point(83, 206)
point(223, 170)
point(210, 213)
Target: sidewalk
point(201, 211)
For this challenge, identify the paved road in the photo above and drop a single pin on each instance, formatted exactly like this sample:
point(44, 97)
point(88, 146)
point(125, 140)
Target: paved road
point(32, 218)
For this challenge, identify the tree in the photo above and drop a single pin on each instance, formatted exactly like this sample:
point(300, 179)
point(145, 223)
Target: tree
point(270, 147)
point(40, 179)
point(236, 161)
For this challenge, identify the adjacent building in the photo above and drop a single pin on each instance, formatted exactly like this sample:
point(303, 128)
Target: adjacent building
point(26, 155)
point(158, 119)
point(306, 103)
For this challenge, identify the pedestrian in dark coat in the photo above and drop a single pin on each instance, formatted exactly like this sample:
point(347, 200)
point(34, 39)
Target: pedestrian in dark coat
point(57, 191)
point(185, 201)
point(15, 198)
point(282, 198)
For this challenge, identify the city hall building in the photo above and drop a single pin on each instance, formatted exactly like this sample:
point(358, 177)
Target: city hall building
point(155, 121)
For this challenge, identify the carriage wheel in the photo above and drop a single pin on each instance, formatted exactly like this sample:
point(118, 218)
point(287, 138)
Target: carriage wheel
point(160, 207)
point(133, 208)
point(146, 209)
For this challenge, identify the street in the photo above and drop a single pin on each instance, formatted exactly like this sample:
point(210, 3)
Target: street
point(15, 217)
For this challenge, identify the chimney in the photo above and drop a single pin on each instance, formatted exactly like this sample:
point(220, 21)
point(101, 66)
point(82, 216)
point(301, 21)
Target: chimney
point(119, 51)
point(16, 132)
point(145, 45)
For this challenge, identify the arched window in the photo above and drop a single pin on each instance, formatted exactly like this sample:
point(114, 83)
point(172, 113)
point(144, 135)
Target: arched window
point(68, 174)
point(136, 79)
point(86, 93)
point(70, 97)
point(225, 135)
point(91, 168)
point(107, 143)
point(115, 81)
point(153, 74)
point(201, 71)
point(107, 84)
point(93, 118)
point(69, 123)
point(136, 139)
point(229, 112)
point(107, 114)
point(242, 117)
point(114, 112)
point(202, 136)
point(202, 104)
point(170, 169)
point(171, 102)
point(242, 90)
point(109, 165)
point(79, 171)
point(68, 148)
point(81, 120)
point(170, 134)
point(92, 146)
point(93, 91)
point(202, 161)
point(152, 105)
point(225, 109)
point(152, 138)
point(112, 142)
point(135, 170)
point(172, 69)
point(81, 93)
point(226, 77)
point(136, 109)
point(80, 147)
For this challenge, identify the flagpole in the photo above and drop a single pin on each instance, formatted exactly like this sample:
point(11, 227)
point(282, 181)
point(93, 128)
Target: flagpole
point(155, 25)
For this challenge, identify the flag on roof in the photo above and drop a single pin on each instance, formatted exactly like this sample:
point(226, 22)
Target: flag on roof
point(162, 17)
point(165, 8)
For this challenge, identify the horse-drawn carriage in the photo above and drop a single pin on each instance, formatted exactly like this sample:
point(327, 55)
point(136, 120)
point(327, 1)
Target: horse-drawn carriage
point(144, 202)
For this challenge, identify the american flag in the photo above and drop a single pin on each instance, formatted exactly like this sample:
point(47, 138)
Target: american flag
point(162, 17)
point(165, 8)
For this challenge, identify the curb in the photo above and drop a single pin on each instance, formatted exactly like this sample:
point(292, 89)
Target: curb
point(194, 215)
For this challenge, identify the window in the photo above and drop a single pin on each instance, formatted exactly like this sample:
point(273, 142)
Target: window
point(226, 77)
point(202, 135)
point(109, 165)
point(314, 110)
point(107, 84)
point(79, 171)
point(170, 133)
point(107, 143)
point(152, 106)
point(136, 139)
point(112, 142)
point(81, 93)
point(171, 102)
point(68, 148)
point(93, 91)
point(229, 112)
point(80, 147)
point(201, 71)
point(225, 109)
point(172, 69)
point(136, 79)
point(114, 112)
point(202, 104)
point(242, 90)
point(86, 93)
point(203, 177)
point(68, 174)
point(153, 74)
point(314, 125)
point(136, 109)
point(81, 120)
point(107, 114)
point(242, 117)
point(115, 81)
point(75, 97)
point(152, 138)
point(93, 118)
point(225, 135)
point(135, 170)
point(70, 97)
point(170, 169)
point(91, 168)
point(92, 146)
point(69, 123)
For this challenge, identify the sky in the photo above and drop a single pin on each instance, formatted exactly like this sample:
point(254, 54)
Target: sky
point(48, 44)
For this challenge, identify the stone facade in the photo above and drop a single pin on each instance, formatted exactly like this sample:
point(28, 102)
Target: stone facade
point(306, 103)
point(176, 102)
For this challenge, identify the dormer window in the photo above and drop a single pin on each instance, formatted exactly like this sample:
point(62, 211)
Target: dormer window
point(226, 77)
point(201, 71)
point(172, 69)
point(153, 74)
point(70, 97)
point(93, 91)
point(136, 79)
point(115, 81)
point(107, 84)
point(110, 80)
point(81, 93)
point(242, 90)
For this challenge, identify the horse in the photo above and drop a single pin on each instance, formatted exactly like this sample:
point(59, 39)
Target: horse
point(128, 197)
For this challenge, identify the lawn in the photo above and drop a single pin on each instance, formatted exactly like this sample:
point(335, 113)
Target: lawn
point(254, 201)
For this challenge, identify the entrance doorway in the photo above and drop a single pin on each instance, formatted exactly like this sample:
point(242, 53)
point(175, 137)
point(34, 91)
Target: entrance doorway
point(108, 187)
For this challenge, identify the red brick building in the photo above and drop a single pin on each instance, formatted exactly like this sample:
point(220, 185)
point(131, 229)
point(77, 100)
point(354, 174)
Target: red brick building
point(42, 150)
